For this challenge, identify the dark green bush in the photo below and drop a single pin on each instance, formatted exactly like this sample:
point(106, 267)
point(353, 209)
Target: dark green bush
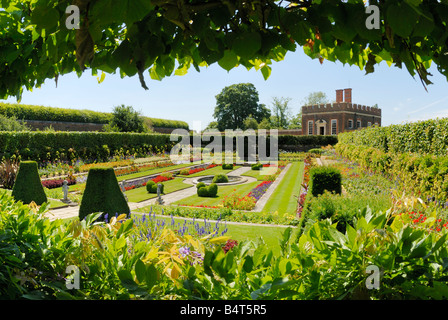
point(208, 191)
point(28, 187)
point(227, 166)
point(257, 166)
point(102, 194)
point(315, 151)
point(200, 185)
point(325, 178)
point(151, 187)
point(220, 178)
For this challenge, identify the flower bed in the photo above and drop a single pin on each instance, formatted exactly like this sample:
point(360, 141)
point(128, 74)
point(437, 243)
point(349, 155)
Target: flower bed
point(142, 182)
point(56, 183)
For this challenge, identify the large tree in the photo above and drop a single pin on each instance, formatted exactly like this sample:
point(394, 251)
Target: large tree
point(281, 112)
point(126, 119)
point(235, 103)
point(40, 39)
point(317, 97)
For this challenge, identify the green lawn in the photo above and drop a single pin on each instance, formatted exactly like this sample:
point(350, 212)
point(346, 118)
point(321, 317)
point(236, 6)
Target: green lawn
point(140, 194)
point(285, 197)
point(223, 191)
point(242, 232)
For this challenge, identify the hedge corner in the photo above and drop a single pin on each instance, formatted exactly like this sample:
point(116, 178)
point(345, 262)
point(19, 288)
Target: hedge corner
point(28, 187)
point(103, 194)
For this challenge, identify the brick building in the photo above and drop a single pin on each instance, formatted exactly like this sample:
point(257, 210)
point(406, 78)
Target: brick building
point(337, 117)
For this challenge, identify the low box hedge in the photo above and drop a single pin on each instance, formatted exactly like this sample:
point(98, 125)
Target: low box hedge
point(325, 178)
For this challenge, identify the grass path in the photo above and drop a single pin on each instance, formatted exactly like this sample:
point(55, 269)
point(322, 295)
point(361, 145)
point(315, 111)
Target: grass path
point(284, 198)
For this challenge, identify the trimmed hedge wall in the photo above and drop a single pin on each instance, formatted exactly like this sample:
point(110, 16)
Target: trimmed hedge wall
point(30, 112)
point(49, 146)
point(44, 146)
point(423, 137)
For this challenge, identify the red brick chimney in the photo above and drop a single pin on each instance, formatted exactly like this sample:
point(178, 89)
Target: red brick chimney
point(339, 95)
point(348, 95)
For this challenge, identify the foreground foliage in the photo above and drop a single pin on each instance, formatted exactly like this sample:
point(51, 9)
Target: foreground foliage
point(132, 259)
point(161, 38)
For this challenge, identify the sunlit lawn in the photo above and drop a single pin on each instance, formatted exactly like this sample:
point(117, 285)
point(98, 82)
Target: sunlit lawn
point(285, 196)
point(140, 194)
point(242, 232)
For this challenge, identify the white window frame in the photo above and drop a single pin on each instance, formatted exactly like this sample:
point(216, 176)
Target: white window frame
point(310, 126)
point(350, 124)
point(369, 124)
point(335, 121)
point(358, 124)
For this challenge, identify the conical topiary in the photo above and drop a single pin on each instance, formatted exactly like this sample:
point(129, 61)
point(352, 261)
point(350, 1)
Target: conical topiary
point(102, 194)
point(28, 187)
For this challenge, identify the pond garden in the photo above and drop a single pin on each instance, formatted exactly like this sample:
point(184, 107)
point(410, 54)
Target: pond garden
point(307, 227)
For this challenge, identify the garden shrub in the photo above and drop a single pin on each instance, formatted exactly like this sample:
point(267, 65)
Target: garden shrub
point(257, 166)
point(151, 187)
point(208, 191)
point(200, 185)
point(102, 194)
point(315, 151)
point(325, 178)
point(220, 178)
point(227, 166)
point(28, 187)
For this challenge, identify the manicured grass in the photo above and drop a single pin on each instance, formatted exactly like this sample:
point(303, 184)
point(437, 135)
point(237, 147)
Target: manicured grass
point(242, 232)
point(212, 171)
point(223, 191)
point(285, 197)
point(140, 194)
point(270, 234)
point(260, 175)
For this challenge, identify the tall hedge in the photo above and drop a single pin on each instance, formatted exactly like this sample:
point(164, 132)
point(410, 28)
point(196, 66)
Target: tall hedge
point(423, 137)
point(102, 194)
point(50, 146)
point(28, 187)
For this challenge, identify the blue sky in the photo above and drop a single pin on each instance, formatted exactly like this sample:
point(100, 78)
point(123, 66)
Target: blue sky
point(191, 98)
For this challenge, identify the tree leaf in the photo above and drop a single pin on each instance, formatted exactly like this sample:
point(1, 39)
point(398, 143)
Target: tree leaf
point(247, 44)
point(229, 61)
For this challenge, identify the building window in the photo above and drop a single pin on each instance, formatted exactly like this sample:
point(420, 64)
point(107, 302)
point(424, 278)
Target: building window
point(350, 124)
point(369, 124)
point(376, 124)
point(334, 126)
point(358, 124)
point(310, 128)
